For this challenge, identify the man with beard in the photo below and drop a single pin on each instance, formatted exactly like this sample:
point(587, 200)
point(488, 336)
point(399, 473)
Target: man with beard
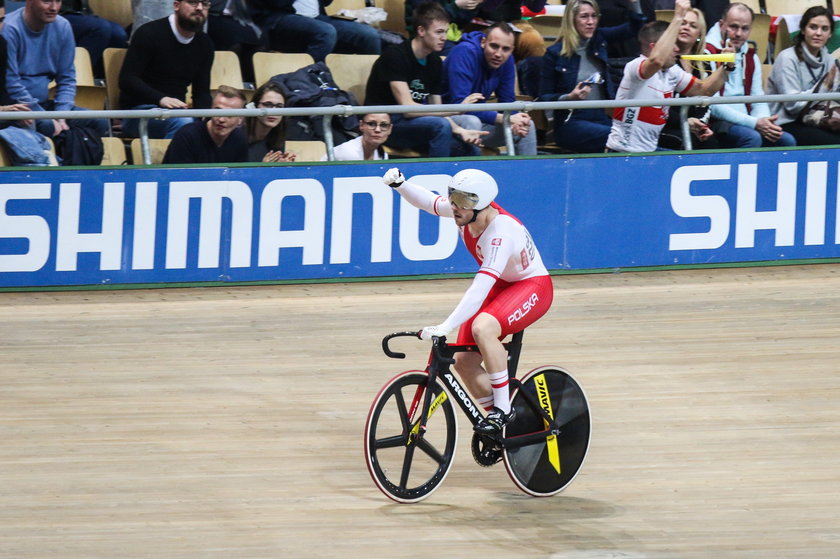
point(165, 57)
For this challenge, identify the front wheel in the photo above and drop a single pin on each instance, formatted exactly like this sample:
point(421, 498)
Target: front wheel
point(547, 464)
point(406, 462)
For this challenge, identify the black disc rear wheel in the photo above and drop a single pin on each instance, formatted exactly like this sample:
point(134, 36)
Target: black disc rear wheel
point(547, 465)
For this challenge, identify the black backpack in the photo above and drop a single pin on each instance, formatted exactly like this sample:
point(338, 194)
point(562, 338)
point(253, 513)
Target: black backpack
point(313, 86)
point(79, 145)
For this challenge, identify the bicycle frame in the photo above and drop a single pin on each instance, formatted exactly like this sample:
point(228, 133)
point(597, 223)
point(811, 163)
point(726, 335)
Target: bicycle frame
point(441, 357)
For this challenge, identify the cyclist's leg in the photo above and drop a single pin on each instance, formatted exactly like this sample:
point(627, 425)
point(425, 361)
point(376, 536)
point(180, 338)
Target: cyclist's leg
point(468, 366)
point(513, 309)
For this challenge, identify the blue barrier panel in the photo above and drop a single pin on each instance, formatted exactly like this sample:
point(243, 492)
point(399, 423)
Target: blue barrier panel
point(252, 223)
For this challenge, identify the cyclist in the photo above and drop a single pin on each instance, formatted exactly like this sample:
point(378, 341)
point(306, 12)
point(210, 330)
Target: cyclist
point(511, 290)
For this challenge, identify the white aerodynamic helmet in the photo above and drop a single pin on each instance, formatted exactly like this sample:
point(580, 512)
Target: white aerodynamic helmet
point(472, 189)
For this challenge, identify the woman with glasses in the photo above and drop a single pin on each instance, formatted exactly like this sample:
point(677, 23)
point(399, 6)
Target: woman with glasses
point(267, 134)
point(576, 68)
point(375, 128)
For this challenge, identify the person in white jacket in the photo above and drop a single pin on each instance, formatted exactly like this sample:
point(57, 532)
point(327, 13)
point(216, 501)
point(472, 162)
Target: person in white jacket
point(740, 125)
point(511, 290)
point(803, 68)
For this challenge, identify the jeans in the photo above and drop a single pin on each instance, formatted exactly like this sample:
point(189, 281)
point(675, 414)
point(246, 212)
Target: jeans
point(321, 35)
point(523, 145)
point(737, 136)
point(432, 134)
point(585, 132)
point(158, 128)
point(46, 127)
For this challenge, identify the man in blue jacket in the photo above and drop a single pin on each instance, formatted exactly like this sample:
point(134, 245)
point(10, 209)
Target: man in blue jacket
point(481, 67)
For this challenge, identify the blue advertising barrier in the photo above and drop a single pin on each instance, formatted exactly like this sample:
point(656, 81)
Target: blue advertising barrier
point(254, 223)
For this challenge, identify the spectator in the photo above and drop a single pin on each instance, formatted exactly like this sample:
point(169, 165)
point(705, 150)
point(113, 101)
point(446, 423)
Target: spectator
point(218, 140)
point(411, 74)
point(461, 14)
point(481, 67)
point(230, 27)
point(375, 128)
point(7, 104)
point(41, 49)
point(655, 75)
point(93, 33)
point(691, 40)
point(164, 58)
point(567, 66)
point(799, 69)
point(304, 26)
point(741, 125)
point(267, 134)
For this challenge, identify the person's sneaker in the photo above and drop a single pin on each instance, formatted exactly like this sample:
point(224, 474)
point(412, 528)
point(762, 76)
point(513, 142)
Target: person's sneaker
point(494, 421)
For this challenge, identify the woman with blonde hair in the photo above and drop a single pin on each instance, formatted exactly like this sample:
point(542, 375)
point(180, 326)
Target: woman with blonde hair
point(691, 39)
point(576, 68)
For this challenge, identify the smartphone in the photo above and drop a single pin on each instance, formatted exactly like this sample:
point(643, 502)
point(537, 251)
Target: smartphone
point(594, 79)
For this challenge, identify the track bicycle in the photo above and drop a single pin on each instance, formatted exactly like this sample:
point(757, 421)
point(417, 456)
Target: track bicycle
point(411, 431)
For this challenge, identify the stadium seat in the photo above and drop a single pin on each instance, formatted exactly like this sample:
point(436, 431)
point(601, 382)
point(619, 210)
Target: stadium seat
point(793, 7)
point(157, 148)
point(5, 161)
point(269, 64)
point(226, 70)
point(307, 150)
point(88, 94)
point(548, 26)
point(118, 11)
point(351, 71)
point(664, 15)
point(760, 35)
point(114, 152)
point(113, 59)
point(338, 5)
point(765, 73)
point(396, 16)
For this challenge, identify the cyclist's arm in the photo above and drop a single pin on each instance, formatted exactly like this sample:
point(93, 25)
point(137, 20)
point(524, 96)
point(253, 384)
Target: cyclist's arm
point(424, 199)
point(470, 302)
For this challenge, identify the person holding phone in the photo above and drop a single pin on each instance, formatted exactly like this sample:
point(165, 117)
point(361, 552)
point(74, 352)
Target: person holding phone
point(576, 68)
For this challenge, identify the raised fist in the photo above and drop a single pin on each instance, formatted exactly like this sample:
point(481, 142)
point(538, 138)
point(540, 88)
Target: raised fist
point(393, 177)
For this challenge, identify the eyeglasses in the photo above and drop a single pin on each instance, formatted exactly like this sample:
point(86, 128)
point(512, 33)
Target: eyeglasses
point(373, 124)
point(197, 3)
point(269, 105)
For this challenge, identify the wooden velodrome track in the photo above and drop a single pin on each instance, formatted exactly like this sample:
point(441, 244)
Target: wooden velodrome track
point(227, 422)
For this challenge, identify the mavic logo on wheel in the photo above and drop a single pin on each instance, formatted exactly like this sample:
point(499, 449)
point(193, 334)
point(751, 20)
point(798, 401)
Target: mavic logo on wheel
point(526, 307)
point(441, 398)
point(545, 403)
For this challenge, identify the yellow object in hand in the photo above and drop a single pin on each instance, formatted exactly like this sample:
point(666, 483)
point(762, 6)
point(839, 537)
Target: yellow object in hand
point(724, 57)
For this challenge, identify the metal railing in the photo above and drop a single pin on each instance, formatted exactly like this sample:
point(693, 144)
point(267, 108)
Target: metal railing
point(346, 110)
